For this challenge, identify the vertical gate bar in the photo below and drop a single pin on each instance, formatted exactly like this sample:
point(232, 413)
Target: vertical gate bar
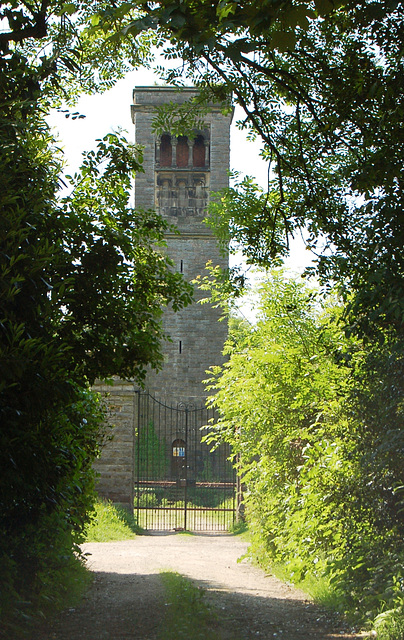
point(146, 463)
point(157, 430)
point(133, 455)
point(156, 470)
point(156, 463)
point(152, 473)
point(150, 417)
point(141, 449)
point(150, 409)
point(138, 456)
point(186, 469)
point(167, 438)
point(162, 494)
point(162, 457)
point(149, 405)
point(150, 466)
point(142, 460)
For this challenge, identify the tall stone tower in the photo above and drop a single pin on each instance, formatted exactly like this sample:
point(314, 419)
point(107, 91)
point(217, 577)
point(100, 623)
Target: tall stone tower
point(179, 173)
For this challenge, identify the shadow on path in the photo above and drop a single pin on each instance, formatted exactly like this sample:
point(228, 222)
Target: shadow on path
point(131, 607)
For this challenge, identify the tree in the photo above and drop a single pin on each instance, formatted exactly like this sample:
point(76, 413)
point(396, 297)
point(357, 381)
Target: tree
point(321, 84)
point(53, 37)
point(83, 282)
point(322, 489)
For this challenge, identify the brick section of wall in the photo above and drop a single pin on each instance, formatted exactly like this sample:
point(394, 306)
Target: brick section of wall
point(196, 333)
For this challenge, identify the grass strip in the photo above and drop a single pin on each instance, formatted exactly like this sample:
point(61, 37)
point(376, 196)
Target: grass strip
point(111, 522)
point(187, 613)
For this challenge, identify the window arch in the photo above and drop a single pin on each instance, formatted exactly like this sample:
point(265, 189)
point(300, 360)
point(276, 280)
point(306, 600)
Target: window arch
point(198, 152)
point(166, 151)
point(178, 458)
point(182, 151)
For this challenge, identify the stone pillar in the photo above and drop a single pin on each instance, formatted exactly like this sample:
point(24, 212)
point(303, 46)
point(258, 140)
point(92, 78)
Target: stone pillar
point(115, 467)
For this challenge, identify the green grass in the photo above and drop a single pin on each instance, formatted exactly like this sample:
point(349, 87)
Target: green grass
point(215, 520)
point(187, 616)
point(111, 522)
point(318, 587)
point(390, 625)
point(239, 528)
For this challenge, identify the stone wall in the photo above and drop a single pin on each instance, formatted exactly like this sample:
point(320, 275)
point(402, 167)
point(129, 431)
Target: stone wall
point(115, 468)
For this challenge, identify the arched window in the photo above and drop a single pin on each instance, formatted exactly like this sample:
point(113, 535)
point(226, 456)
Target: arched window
point(182, 151)
point(198, 152)
point(166, 151)
point(178, 458)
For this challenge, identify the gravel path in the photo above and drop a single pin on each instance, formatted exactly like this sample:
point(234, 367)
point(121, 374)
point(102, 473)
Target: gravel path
point(126, 601)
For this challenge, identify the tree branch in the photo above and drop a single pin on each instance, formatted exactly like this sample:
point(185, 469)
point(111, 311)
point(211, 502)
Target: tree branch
point(36, 30)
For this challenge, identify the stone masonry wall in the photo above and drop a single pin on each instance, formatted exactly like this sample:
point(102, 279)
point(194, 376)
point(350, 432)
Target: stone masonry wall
point(115, 467)
point(196, 333)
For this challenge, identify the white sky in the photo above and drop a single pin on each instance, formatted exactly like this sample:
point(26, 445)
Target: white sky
point(110, 111)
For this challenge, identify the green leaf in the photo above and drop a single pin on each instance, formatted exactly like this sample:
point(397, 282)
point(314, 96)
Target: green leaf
point(283, 41)
point(224, 9)
point(70, 8)
point(324, 7)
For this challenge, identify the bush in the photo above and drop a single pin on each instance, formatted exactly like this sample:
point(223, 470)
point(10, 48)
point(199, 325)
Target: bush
point(316, 421)
point(390, 625)
point(39, 538)
point(40, 575)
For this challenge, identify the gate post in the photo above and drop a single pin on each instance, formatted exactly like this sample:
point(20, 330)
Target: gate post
point(135, 449)
point(115, 466)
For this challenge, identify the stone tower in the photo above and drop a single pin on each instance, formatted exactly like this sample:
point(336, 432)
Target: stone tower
point(179, 173)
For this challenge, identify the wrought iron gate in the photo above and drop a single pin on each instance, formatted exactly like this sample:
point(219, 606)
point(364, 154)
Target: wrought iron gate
point(180, 483)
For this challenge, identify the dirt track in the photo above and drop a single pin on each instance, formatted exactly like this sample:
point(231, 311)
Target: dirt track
point(126, 601)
